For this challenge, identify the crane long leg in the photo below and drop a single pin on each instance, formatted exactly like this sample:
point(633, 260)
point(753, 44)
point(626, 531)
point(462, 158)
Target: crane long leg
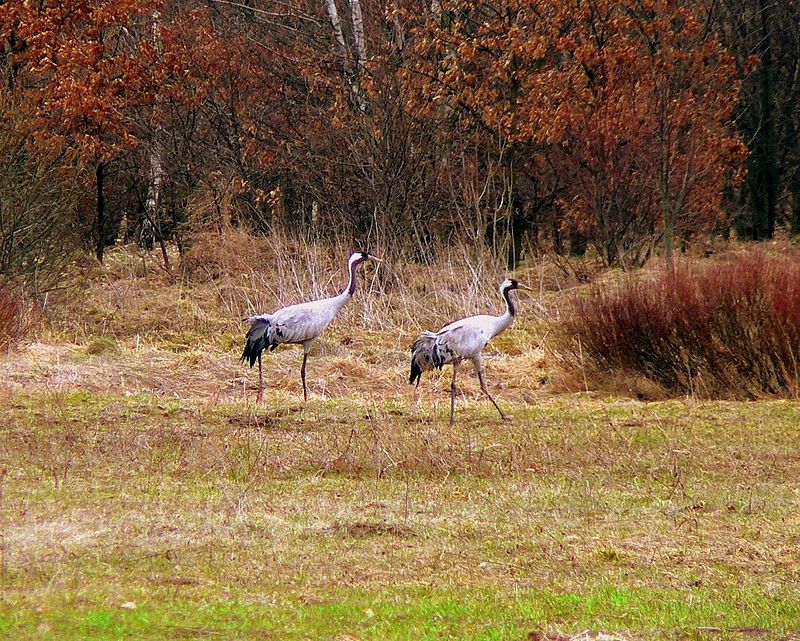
point(485, 390)
point(303, 375)
point(260, 394)
point(453, 395)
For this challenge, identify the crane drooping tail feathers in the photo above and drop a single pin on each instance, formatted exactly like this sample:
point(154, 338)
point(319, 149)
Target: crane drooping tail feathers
point(259, 337)
point(426, 354)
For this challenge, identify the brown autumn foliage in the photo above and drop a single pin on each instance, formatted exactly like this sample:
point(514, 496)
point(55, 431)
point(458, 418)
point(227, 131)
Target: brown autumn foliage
point(515, 124)
point(85, 70)
point(630, 100)
point(648, 134)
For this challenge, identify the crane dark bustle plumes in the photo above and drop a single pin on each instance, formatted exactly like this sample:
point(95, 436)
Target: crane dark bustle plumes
point(463, 340)
point(298, 324)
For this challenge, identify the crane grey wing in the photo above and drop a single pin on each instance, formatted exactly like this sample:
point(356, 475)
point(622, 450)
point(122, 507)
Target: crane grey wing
point(297, 324)
point(454, 342)
point(462, 340)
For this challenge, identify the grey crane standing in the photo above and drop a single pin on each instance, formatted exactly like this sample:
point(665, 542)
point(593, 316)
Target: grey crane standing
point(463, 340)
point(298, 324)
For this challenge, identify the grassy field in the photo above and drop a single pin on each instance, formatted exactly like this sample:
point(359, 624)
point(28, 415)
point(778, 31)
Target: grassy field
point(146, 496)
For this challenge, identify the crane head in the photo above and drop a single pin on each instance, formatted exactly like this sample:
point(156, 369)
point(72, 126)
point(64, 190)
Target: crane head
point(513, 283)
point(362, 255)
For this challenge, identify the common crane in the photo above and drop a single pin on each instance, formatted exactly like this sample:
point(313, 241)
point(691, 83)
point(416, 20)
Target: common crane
point(463, 340)
point(297, 324)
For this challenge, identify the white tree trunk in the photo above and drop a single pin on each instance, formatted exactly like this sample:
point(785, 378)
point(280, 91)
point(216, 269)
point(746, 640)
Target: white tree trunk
point(156, 178)
point(351, 75)
point(358, 32)
point(336, 23)
point(152, 222)
point(155, 169)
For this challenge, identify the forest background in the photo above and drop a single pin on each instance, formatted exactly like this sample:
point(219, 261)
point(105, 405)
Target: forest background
point(624, 128)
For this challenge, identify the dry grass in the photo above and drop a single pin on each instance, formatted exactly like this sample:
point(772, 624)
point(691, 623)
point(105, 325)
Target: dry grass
point(16, 316)
point(251, 273)
point(148, 497)
point(272, 509)
point(130, 331)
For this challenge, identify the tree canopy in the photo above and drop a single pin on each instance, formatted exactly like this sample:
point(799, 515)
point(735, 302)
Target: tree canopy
point(621, 125)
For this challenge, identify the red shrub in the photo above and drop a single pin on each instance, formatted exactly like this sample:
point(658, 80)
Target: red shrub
point(727, 328)
point(11, 316)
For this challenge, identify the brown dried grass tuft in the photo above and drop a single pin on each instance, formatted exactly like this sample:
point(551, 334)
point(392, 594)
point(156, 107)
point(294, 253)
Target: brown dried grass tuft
point(261, 273)
point(131, 329)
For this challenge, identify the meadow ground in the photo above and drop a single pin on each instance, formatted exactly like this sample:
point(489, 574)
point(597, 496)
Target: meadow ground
point(146, 496)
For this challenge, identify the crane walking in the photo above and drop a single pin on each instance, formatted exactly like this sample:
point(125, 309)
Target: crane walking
point(463, 340)
point(298, 324)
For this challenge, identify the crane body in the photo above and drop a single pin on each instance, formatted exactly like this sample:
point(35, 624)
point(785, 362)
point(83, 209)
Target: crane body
point(463, 340)
point(301, 324)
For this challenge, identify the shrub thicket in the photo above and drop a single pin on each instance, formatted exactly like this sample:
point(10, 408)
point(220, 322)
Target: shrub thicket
point(39, 204)
point(728, 328)
point(12, 314)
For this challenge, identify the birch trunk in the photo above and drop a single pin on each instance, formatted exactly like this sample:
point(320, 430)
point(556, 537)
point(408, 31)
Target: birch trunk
point(351, 75)
point(101, 212)
point(358, 32)
point(156, 167)
point(336, 23)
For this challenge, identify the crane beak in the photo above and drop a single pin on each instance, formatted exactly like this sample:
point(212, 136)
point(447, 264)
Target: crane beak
point(375, 258)
point(525, 287)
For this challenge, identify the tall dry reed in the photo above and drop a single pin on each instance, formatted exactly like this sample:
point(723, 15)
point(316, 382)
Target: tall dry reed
point(253, 274)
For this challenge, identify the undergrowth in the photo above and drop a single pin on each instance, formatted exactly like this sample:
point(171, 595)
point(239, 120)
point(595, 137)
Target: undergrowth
point(12, 316)
point(727, 328)
point(253, 273)
point(230, 275)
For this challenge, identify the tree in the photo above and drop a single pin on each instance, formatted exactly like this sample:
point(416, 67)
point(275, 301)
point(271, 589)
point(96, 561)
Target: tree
point(151, 93)
point(485, 68)
point(763, 38)
point(647, 127)
point(350, 153)
point(38, 206)
point(629, 101)
point(84, 73)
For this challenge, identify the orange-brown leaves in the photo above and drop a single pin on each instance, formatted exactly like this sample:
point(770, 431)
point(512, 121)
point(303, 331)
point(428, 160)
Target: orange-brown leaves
point(83, 67)
point(628, 100)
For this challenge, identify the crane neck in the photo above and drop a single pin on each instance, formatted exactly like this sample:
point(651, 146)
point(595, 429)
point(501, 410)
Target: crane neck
point(510, 309)
point(351, 285)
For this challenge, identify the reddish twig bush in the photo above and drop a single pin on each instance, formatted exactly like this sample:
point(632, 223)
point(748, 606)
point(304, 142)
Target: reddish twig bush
point(725, 329)
point(12, 312)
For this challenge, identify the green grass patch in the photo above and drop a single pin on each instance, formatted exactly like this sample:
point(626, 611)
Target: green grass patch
point(425, 614)
point(141, 517)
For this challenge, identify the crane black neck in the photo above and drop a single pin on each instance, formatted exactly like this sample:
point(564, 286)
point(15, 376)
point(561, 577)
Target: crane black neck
point(506, 292)
point(351, 287)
